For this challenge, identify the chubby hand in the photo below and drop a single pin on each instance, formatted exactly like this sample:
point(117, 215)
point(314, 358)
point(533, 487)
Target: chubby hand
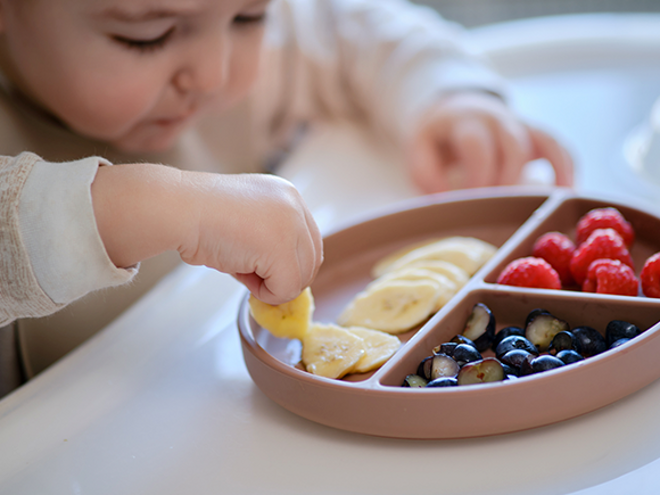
point(472, 139)
point(258, 229)
point(255, 227)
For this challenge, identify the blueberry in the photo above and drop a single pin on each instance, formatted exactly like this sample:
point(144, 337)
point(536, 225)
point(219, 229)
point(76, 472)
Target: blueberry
point(462, 339)
point(619, 342)
point(510, 370)
point(545, 362)
point(589, 341)
point(507, 332)
point(465, 353)
point(515, 342)
point(443, 366)
point(446, 348)
point(564, 340)
point(414, 381)
point(480, 326)
point(515, 357)
point(534, 313)
point(569, 356)
point(541, 329)
point(443, 381)
point(484, 371)
point(424, 368)
point(618, 329)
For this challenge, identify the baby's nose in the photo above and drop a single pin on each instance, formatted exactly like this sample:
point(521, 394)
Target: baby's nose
point(206, 71)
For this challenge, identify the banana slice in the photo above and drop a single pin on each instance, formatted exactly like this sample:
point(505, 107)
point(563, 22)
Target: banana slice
point(331, 351)
point(379, 347)
point(449, 270)
point(394, 307)
point(382, 266)
point(465, 252)
point(446, 288)
point(289, 320)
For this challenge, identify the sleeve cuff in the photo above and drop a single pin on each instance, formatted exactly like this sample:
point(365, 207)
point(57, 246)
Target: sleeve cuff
point(59, 231)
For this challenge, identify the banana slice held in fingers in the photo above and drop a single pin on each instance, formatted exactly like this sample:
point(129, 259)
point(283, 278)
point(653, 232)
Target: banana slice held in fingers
point(331, 351)
point(394, 306)
point(290, 320)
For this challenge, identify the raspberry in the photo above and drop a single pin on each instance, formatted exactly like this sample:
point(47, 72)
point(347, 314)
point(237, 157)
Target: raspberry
point(604, 218)
point(602, 243)
point(606, 276)
point(557, 249)
point(530, 272)
point(650, 276)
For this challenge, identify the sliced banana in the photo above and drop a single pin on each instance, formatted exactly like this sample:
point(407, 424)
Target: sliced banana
point(382, 266)
point(449, 270)
point(394, 307)
point(467, 253)
point(331, 351)
point(379, 347)
point(446, 288)
point(289, 320)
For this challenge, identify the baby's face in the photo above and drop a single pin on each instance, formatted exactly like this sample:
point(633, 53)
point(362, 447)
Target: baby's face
point(131, 72)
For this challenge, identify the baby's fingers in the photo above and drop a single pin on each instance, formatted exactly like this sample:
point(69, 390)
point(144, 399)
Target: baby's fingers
point(474, 147)
point(545, 146)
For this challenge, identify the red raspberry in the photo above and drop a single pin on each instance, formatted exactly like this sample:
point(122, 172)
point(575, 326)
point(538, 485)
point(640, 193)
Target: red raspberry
point(650, 276)
point(557, 249)
point(602, 243)
point(607, 276)
point(530, 272)
point(604, 218)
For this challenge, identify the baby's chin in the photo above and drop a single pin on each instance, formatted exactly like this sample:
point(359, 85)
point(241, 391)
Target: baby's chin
point(153, 143)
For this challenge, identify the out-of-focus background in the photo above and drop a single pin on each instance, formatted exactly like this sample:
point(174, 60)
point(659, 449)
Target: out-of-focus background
point(473, 13)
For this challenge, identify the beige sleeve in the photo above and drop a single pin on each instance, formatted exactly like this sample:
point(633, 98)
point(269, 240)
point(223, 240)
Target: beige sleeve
point(50, 249)
point(384, 61)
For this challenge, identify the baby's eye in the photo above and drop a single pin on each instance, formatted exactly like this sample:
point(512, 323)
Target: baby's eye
point(145, 45)
point(247, 19)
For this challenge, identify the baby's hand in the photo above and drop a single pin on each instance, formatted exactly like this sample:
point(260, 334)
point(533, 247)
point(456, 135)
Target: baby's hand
point(473, 139)
point(258, 229)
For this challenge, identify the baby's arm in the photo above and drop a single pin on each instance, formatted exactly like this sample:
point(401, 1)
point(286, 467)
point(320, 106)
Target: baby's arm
point(252, 226)
point(409, 74)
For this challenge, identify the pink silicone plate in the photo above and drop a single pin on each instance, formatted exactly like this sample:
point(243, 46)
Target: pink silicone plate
point(510, 218)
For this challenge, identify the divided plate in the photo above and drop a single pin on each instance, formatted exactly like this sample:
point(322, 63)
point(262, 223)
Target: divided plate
point(510, 218)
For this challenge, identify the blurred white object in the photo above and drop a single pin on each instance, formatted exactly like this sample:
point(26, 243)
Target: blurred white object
point(642, 148)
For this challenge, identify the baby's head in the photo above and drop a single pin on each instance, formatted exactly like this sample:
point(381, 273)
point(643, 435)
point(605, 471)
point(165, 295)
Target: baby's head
point(130, 72)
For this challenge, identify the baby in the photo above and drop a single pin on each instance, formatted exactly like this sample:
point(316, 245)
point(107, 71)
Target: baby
point(209, 87)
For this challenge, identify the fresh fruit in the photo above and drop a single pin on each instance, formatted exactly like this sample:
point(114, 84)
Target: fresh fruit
point(650, 276)
point(515, 357)
point(290, 320)
point(546, 362)
point(542, 328)
point(467, 253)
point(465, 353)
point(515, 342)
point(445, 287)
point(562, 341)
point(606, 276)
point(557, 249)
point(569, 356)
point(393, 307)
point(604, 218)
point(449, 270)
point(589, 341)
point(331, 351)
point(618, 329)
point(530, 272)
point(443, 381)
point(379, 347)
point(506, 332)
point(437, 366)
point(414, 381)
point(480, 327)
point(484, 371)
point(602, 243)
